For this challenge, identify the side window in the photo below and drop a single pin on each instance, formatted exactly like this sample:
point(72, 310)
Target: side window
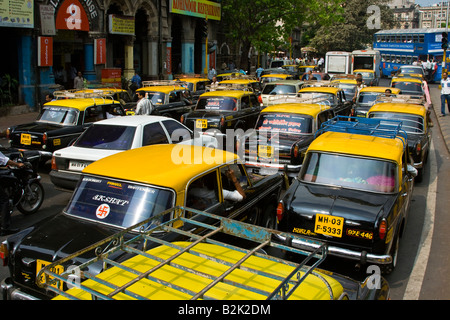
point(203, 192)
point(93, 114)
point(176, 131)
point(245, 102)
point(239, 173)
point(254, 101)
point(154, 134)
point(200, 86)
point(174, 96)
point(322, 117)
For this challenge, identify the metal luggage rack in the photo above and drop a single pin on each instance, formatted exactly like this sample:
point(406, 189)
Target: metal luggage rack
point(384, 128)
point(400, 98)
point(296, 98)
point(260, 238)
point(84, 94)
point(319, 83)
point(161, 83)
point(230, 86)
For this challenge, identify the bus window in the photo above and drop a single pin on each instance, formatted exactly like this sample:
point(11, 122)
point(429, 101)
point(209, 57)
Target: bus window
point(388, 57)
point(408, 60)
point(414, 59)
point(403, 60)
point(415, 38)
point(409, 38)
point(421, 38)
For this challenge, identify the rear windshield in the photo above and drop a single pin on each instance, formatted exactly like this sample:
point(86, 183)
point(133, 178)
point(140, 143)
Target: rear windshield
point(284, 122)
point(410, 123)
point(408, 86)
point(368, 97)
point(350, 172)
point(156, 97)
point(108, 137)
point(217, 103)
point(59, 115)
point(117, 203)
point(278, 89)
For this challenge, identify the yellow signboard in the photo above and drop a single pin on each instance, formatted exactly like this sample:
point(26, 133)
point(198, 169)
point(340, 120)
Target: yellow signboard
point(197, 8)
point(17, 13)
point(121, 24)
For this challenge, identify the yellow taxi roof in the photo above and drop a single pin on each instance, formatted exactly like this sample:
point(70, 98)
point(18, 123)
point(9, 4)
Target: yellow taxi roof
point(333, 90)
point(163, 89)
point(359, 145)
point(192, 79)
point(80, 104)
point(166, 165)
point(380, 89)
point(351, 81)
point(239, 81)
point(416, 109)
point(406, 79)
point(207, 262)
point(225, 93)
point(363, 70)
point(275, 75)
point(310, 109)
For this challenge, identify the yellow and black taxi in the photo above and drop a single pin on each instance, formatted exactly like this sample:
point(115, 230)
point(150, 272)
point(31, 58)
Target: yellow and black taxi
point(348, 85)
point(416, 123)
point(219, 110)
point(208, 268)
point(112, 196)
point(353, 191)
point(367, 98)
point(282, 134)
point(333, 96)
point(196, 84)
point(265, 78)
point(369, 76)
point(169, 98)
point(409, 86)
point(123, 96)
point(243, 82)
point(62, 121)
point(283, 87)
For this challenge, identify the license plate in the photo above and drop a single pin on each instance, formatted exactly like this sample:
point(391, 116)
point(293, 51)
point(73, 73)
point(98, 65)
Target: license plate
point(201, 123)
point(265, 151)
point(77, 166)
point(25, 138)
point(40, 264)
point(329, 225)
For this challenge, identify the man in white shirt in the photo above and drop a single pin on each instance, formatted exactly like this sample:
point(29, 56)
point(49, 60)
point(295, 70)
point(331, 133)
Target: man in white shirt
point(445, 93)
point(144, 105)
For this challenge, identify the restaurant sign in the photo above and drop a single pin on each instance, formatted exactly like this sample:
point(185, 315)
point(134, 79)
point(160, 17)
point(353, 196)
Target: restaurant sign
point(197, 8)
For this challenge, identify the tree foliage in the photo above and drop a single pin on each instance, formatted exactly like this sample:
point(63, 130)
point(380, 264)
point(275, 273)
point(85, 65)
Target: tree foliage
point(352, 30)
point(267, 24)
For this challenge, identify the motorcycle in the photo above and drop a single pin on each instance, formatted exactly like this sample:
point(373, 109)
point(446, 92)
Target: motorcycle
point(23, 186)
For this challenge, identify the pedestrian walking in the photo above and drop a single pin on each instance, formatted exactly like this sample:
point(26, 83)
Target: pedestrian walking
point(144, 105)
point(445, 93)
point(136, 82)
point(78, 82)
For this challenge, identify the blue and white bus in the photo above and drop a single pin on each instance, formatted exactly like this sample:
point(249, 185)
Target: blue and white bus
point(405, 46)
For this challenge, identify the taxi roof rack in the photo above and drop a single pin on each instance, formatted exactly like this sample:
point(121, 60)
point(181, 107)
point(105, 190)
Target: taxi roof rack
point(105, 93)
point(296, 98)
point(400, 98)
point(253, 236)
point(383, 128)
point(319, 83)
point(161, 83)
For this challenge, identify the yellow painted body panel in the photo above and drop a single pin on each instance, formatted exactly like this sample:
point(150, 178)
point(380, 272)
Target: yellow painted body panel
point(298, 108)
point(225, 93)
point(163, 89)
point(332, 90)
point(312, 288)
point(167, 165)
point(380, 89)
point(359, 145)
point(416, 109)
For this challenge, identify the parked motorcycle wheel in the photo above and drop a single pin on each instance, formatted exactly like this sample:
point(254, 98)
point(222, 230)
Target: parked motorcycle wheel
point(32, 199)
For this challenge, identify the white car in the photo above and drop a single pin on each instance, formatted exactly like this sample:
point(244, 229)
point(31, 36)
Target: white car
point(110, 136)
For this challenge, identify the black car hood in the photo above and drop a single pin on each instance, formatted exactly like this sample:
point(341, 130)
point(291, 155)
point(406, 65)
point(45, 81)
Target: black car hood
point(284, 140)
point(350, 204)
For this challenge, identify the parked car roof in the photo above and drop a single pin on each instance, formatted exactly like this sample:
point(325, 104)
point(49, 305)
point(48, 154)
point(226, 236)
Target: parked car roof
point(80, 104)
point(299, 108)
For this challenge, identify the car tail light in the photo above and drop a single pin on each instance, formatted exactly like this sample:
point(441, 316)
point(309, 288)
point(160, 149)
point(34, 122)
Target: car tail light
point(260, 99)
point(280, 211)
point(182, 119)
point(418, 148)
point(222, 122)
point(8, 133)
point(295, 151)
point(382, 229)
point(44, 139)
point(4, 253)
point(54, 165)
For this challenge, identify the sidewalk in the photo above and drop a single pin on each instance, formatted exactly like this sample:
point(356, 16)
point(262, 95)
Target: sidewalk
point(441, 123)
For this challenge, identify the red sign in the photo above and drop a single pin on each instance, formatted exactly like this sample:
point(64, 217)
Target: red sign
point(45, 51)
point(100, 51)
point(169, 60)
point(71, 16)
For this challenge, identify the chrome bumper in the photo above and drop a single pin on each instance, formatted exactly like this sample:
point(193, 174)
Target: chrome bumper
point(10, 292)
point(292, 170)
point(362, 256)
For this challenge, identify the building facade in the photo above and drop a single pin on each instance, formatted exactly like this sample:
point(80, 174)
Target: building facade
point(106, 40)
point(434, 16)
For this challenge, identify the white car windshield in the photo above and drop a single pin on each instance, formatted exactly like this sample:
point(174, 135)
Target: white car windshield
point(117, 203)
